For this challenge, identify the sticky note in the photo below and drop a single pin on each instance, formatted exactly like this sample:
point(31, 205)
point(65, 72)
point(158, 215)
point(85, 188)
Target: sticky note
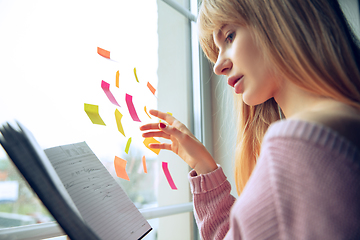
point(144, 164)
point(147, 141)
point(118, 117)
point(130, 105)
point(106, 87)
point(103, 52)
point(136, 75)
point(93, 113)
point(117, 79)
point(120, 168)
point(168, 176)
point(146, 112)
point(128, 145)
point(152, 89)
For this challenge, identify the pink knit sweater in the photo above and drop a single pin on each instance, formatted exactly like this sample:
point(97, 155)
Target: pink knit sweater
point(306, 185)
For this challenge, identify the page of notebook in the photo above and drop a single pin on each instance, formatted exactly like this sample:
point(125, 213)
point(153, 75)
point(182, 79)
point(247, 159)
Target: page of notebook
point(22, 150)
point(105, 207)
point(44, 159)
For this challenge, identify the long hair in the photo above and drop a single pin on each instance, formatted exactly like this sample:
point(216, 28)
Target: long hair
point(309, 42)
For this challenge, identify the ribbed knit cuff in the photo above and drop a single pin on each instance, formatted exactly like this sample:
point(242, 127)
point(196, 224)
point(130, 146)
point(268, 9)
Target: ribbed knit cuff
point(206, 182)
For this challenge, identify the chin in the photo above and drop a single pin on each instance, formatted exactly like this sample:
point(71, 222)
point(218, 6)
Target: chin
point(253, 101)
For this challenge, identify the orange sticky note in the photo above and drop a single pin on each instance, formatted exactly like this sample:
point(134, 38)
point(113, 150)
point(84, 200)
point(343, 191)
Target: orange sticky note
point(144, 164)
point(147, 141)
point(103, 52)
point(152, 89)
point(117, 79)
point(93, 113)
point(120, 168)
point(146, 112)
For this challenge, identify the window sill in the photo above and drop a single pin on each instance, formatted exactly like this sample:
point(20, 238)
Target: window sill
point(52, 229)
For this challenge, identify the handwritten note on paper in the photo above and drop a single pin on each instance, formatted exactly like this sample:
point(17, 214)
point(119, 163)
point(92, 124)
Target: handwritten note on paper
point(93, 113)
point(104, 53)
point(144, 164)
point(118, 117)
point(103, 204)
point(128, 145)
point(168, 176)
point(106, 87)
point(117, 79)
point(120, 168)
point(147, 142)
point(152, 89)
point(130, 105)
point(136, 75)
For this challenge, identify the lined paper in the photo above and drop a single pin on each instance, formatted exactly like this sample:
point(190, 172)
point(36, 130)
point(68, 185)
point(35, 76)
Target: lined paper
point(104, 206)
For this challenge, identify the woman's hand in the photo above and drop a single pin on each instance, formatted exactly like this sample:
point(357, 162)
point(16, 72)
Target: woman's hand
point(183, 142)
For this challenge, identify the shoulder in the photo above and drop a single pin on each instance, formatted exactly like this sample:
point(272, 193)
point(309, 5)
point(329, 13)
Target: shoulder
point(340, 118)
point(300, 139)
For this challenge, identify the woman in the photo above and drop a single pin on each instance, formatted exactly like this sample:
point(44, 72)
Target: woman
point(291, 59)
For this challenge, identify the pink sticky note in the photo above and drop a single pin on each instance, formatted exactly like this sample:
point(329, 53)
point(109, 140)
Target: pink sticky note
point(168, 176)
point(131, 108)
point(106, 87)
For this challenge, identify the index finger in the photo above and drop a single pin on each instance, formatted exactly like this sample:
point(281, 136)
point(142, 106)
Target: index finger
point(164, 116)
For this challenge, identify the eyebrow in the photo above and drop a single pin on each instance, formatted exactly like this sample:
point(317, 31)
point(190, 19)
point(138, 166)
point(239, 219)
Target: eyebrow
point(221, 29)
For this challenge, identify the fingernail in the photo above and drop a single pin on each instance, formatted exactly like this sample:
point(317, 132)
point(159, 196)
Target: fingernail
point(162, 125)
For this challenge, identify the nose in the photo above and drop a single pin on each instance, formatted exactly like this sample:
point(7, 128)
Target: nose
point(222, 66)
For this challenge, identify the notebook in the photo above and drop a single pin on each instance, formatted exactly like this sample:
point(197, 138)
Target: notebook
point(75, 187)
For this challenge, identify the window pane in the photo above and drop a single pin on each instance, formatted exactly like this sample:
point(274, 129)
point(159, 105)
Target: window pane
point(51, 68)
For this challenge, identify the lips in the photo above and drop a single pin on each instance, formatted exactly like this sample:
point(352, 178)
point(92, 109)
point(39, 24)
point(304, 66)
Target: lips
point(233, 80)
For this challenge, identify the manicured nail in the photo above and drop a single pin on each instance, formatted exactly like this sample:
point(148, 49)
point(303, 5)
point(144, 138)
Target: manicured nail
point(162, 125)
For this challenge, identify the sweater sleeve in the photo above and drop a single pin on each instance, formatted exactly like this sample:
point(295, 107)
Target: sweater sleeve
point(212, 203)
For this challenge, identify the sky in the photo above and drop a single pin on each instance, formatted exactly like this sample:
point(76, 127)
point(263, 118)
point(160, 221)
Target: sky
point(50, 68)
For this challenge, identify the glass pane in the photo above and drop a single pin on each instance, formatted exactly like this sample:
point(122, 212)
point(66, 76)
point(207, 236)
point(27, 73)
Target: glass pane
point(51, 68)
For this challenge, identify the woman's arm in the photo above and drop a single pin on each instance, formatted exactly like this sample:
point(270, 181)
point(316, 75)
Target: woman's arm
point(211, 190)
point(212, 203)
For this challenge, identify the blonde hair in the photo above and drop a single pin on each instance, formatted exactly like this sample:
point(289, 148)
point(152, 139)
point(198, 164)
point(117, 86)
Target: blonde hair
point(309, 42)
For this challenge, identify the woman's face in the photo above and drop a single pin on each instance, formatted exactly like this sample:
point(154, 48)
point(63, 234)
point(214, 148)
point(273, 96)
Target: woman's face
point(242, 61)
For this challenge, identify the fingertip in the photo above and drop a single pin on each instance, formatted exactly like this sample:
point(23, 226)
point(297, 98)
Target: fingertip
point(152, 112)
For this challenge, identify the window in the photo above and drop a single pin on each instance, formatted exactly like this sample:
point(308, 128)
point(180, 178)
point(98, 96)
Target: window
point(51, 68)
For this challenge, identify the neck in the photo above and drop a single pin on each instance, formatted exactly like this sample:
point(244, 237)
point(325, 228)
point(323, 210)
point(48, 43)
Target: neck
point(293, 100)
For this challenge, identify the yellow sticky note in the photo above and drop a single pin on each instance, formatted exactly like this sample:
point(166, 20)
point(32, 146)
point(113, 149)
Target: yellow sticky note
point(147, 141)
point(128, 145)
point(93, 113)
point(146, 112)
point(136, 75)
point(117, 79)
point(118, 117)
point(120, 168)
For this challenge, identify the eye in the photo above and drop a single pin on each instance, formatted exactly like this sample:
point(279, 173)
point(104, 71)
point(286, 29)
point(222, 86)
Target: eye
point(230, 37)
